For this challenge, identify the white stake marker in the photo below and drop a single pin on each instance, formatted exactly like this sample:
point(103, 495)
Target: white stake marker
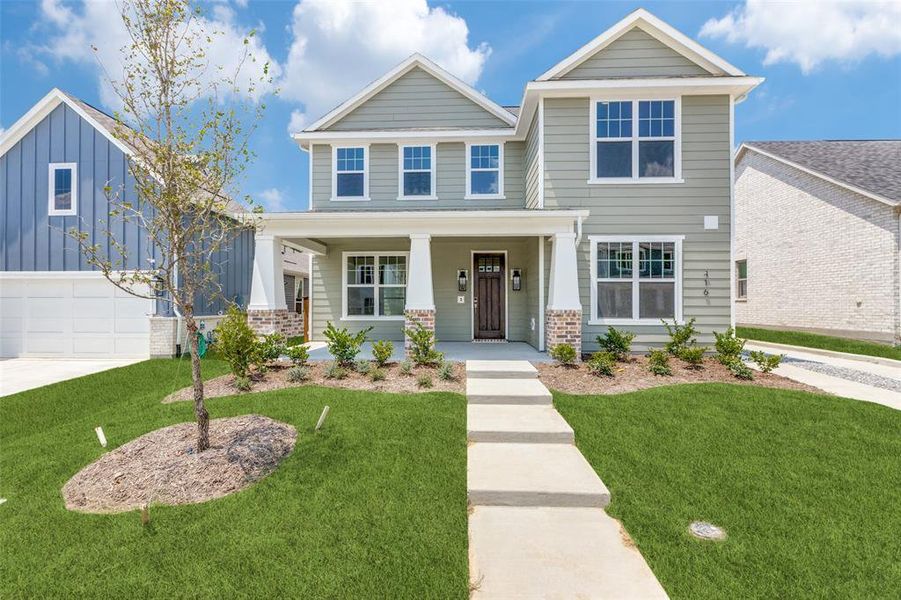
point(99, 431)
point(2, 500)
point(322, 418)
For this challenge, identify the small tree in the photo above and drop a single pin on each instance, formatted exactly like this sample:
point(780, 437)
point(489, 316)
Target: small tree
point(189, 152)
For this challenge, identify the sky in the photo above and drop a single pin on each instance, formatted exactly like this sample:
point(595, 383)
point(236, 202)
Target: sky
point(832, 69)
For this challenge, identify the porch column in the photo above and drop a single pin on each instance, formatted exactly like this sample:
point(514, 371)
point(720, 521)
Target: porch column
point(267, 311)
point(563, 316)
point(420, 304)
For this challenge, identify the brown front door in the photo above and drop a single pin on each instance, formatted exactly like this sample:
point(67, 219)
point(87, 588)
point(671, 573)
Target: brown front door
point(488, 296)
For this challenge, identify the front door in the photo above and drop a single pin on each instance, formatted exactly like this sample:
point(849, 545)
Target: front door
point(488, 296)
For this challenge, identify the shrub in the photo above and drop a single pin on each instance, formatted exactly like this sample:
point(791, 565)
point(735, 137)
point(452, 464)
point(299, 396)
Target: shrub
point(681, 336)
point(617, 342)
point(424, 380)
point(422, 345)
point(270, 347)
point(728, 346)
point(335, 371)
point(299, 354)
point(236, 341)
point(741, 370)
point(377, 374)
point(406, 367)
point(446, 372)
point(298, 374)
point(693, 355)
point(564, 354)
point(766, 362)
point(343, 345)
point(242, 383)
point(602, 363)
point(382, 351)
point(658, 363)
point(362, 367)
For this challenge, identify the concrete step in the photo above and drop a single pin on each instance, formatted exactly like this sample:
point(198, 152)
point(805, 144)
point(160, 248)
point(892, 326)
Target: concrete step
point(554, 553)
point(500, 369)
point(539, 424)
point(503, 474)
point(506, 391)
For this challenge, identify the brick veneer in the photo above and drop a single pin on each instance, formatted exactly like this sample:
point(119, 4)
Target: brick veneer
point(282, 321)
point(411, 317)
point(163, 336)
point(564, 327)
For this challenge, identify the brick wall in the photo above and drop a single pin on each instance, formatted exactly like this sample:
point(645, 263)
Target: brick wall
point(286, 322)
point(411, 317)
point(819, 256)
point(563, 327)
point(163, 332)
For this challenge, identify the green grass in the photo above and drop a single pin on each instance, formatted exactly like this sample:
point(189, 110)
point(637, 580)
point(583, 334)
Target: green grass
point(806, 486)
point(373, 506)
point(824, 342)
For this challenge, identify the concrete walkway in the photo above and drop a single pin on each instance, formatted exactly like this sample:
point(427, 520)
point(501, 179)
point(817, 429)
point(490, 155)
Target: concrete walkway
point(453, 351)
point(20, 374)
point(537, 525)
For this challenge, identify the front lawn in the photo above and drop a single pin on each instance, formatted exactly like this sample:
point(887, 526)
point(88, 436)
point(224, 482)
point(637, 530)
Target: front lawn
point(374, 506)
point(806, 486)
point(823, 342)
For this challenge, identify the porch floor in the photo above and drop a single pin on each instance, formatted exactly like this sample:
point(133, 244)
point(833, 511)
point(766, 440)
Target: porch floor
point(453, 351)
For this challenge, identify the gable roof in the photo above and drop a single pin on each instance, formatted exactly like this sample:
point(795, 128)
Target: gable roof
point(869, 167)
point(414, 61)
point(656, 28)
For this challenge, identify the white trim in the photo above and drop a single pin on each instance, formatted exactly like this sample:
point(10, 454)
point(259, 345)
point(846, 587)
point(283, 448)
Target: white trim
point(468, 195)
point(52, 211)
point(433, 171)
point(732, 284)
point(65, 274)
point(335, 197)
point(310, 178)
point(635, 279)
point(541, 243)
point(375, 284)
point(809, 171)
point(413, 61)
point(472, 295)
point(654, 27)
point(540, 125)
point(400, 136)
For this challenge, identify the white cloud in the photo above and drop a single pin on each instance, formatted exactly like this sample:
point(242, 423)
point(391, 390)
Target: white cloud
point(813, 32)
point(298, 121)
point(340, 46)
point(272, 199)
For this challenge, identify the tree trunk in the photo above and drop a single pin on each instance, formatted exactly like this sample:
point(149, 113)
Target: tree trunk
point(200, 413)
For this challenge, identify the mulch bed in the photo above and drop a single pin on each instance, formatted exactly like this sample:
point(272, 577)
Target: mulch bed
point(634, 375)
point(161, 467)
point(276, 378)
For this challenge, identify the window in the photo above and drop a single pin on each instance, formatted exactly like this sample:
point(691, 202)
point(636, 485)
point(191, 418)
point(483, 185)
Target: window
point(63, 189)
point(375, 285)
point(635, 280)
point(350, 177)
point(741, 279)
point(485, 171)
point(417, 172)
point(634, 141)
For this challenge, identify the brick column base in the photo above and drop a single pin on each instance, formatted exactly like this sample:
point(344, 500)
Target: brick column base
point(411, 317)
point(564, 327)
point(163, 336)
point(282, 321)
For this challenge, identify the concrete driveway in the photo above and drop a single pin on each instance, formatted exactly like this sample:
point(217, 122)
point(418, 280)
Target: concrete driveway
point(20, 374)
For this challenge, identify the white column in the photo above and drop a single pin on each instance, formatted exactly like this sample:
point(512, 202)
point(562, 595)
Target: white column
point(267, 290)
point(419, 274)
point(563, 289)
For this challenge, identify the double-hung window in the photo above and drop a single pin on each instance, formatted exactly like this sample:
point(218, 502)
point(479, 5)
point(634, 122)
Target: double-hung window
point(636, 280)
point(63, 188)
point(484, 171)
point(635, 141)
point(350, 176)
point(375, 285)
point(417, 172)
point(741, 279)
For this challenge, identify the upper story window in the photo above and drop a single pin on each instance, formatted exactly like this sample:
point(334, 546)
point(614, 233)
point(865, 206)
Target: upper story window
point(485, 171)
point(63, 189)
point(417, 172)
point(350, 177)
point(635, 141)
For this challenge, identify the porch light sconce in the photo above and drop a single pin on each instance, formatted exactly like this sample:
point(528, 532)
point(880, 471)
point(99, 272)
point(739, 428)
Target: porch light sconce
point(158, 286)
point(516, 276)
point(462, 275)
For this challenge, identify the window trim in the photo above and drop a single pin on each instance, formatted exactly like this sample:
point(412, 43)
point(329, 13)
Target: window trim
point(344, 285)
point(738, 280)
point(634, 179)
point(52, 211)
point(335, 197)
point(468, 195)
point(433, 195)
point(635, 279)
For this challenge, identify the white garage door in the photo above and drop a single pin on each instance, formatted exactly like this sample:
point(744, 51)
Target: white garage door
point(71, 315)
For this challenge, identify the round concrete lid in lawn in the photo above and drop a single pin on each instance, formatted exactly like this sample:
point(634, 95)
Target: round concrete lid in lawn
point(706, 531)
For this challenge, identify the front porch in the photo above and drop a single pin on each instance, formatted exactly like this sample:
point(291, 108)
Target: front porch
point(453, 351)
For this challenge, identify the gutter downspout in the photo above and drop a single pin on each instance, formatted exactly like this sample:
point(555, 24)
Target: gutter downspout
point(578, 231)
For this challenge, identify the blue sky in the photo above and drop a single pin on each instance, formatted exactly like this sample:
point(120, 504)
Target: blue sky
point(833, 70)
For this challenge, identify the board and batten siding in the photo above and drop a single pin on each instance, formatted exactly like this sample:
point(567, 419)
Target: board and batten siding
point(635, 54)
point(417, 100)
point(652, 209)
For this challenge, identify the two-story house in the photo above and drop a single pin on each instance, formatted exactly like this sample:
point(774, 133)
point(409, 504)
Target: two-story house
point(605, 198)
